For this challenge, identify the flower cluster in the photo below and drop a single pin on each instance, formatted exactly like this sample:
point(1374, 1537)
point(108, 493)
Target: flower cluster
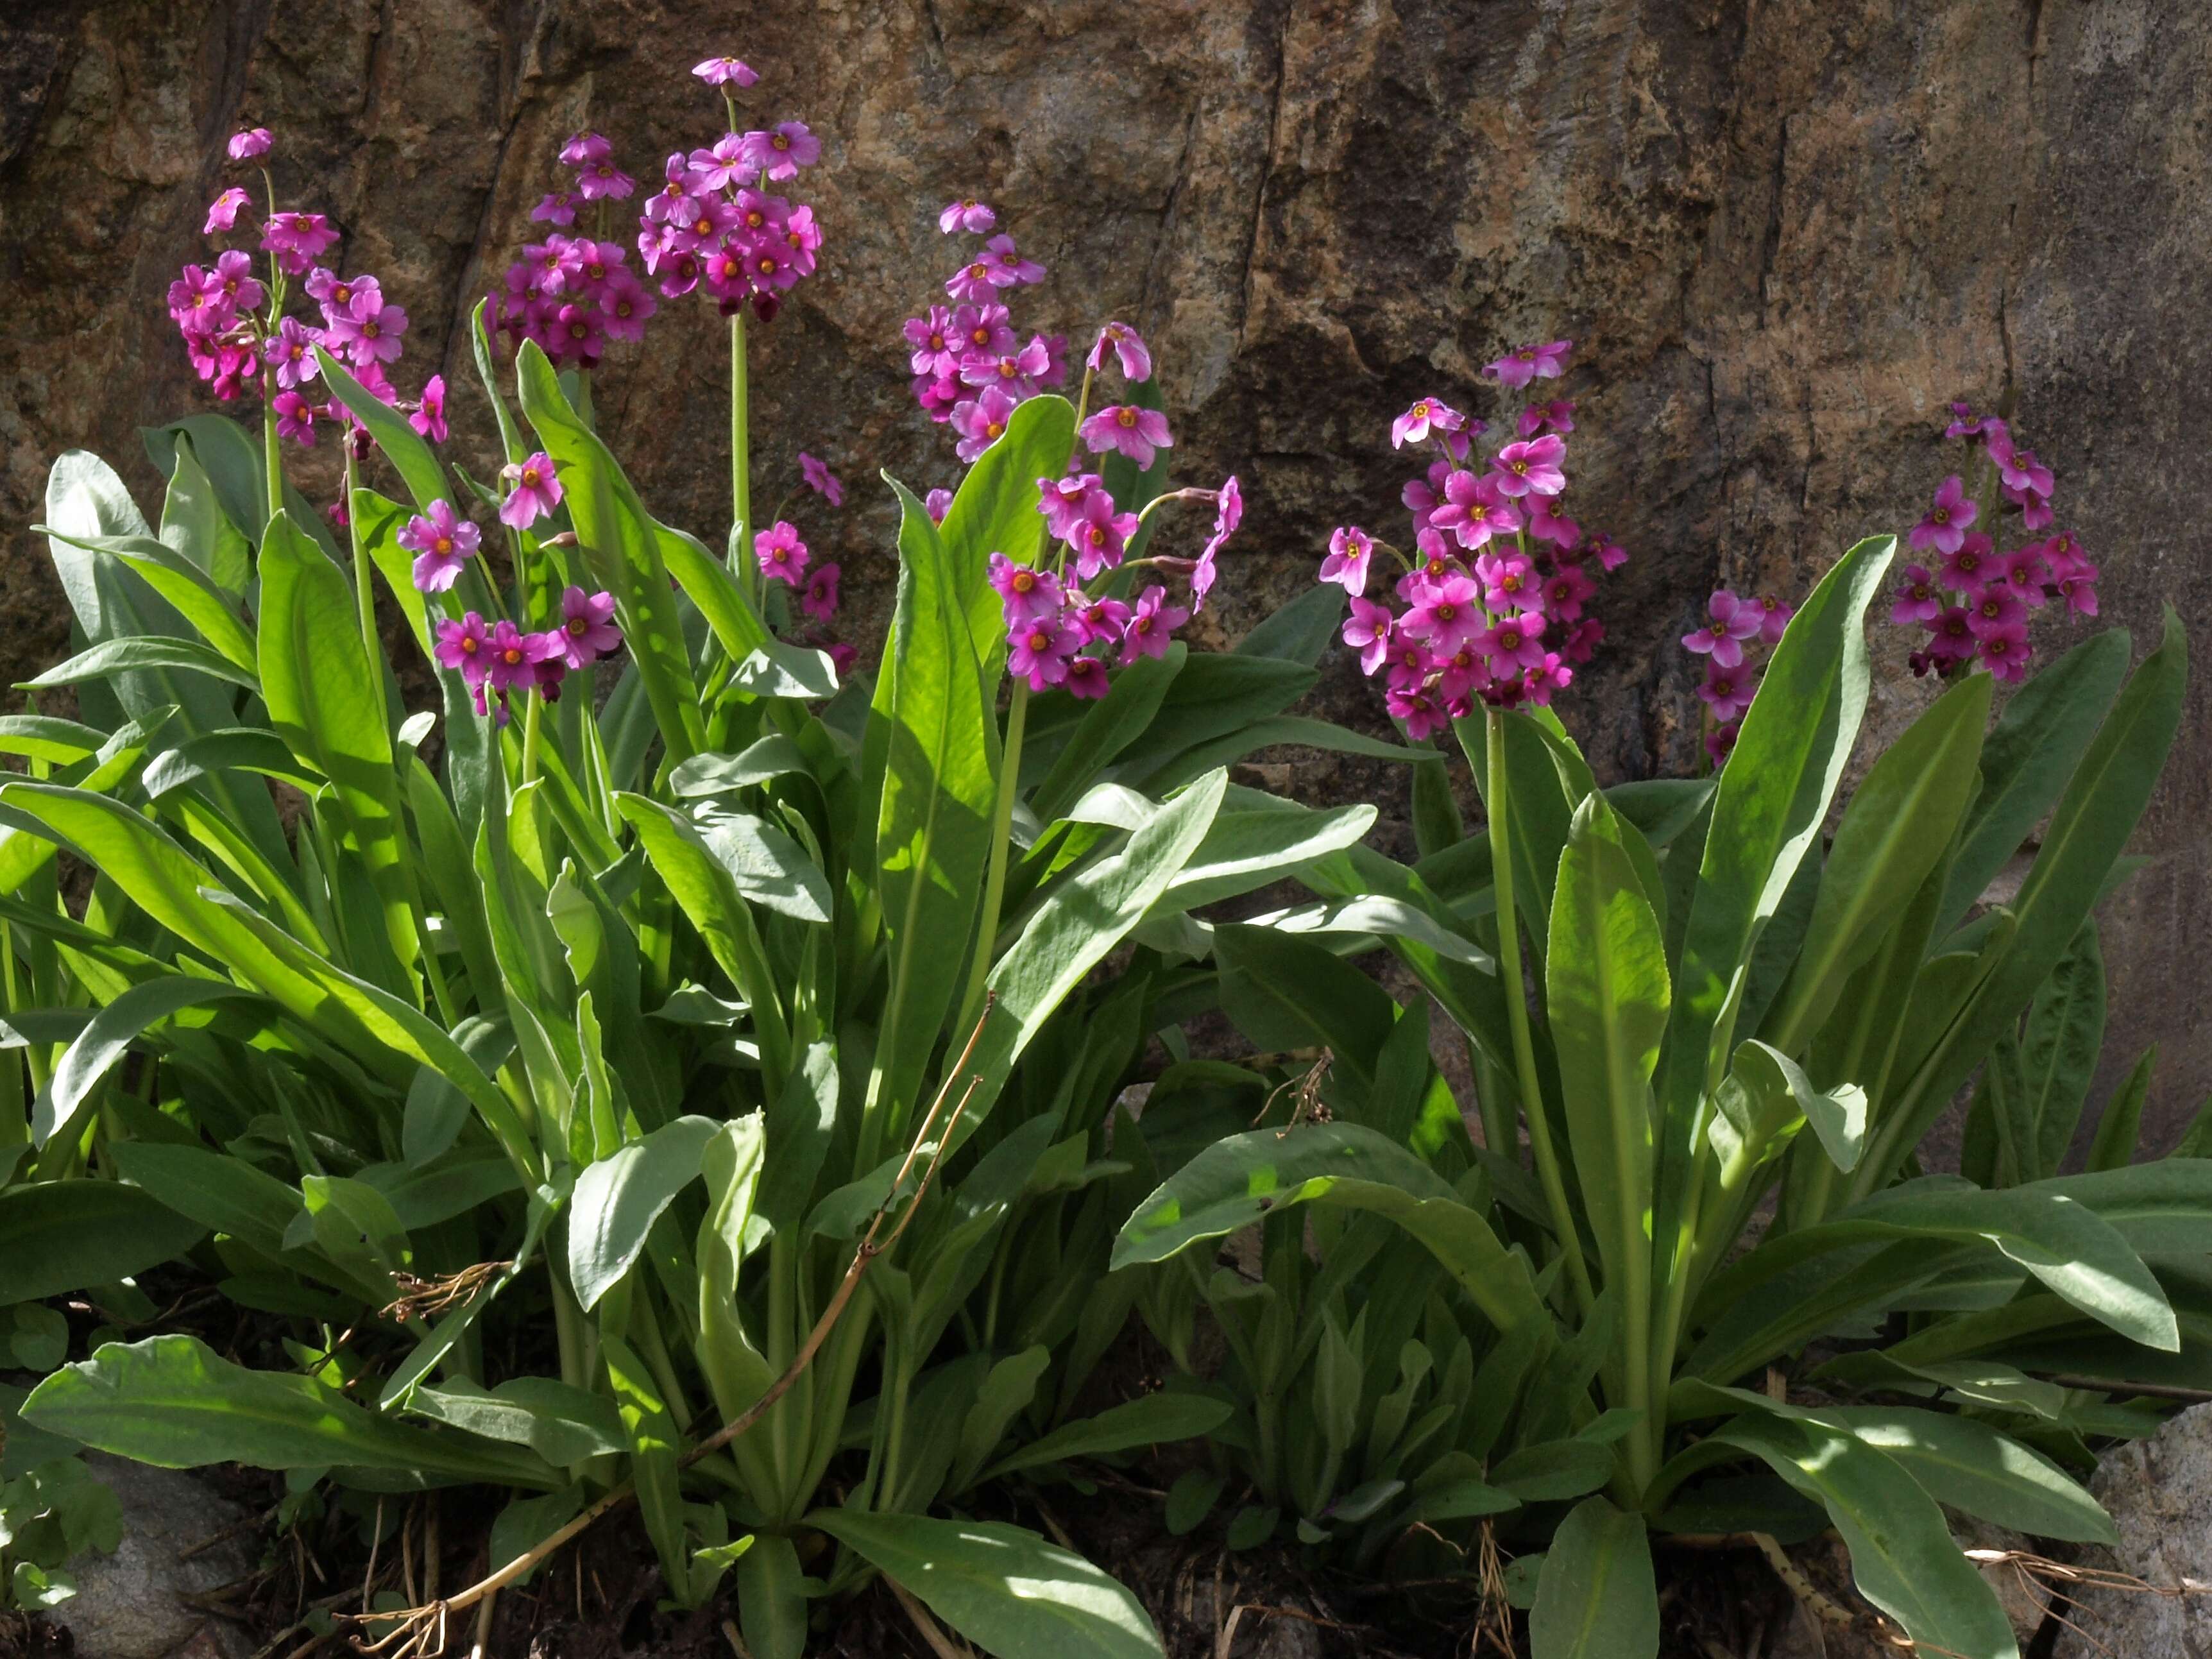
point(1495, 607)
point(1973, 602)
point(235, 326)
point(1736, 635)
point(713, 222)
point(783, 556)
point(574, 294)
point(498, 660)
point(969, 368)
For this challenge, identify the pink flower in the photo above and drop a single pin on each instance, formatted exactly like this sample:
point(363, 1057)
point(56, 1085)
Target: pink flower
point(1548, 521)
point(2005, 650)
point(1018, 372)
point(1349, 551)
point(2023, 573)
point(937, 348)
point(1726, 691)
point(1038, 651)
point(1970, 565)
point(1085, 678)
point(429, 416)
point(1128, 348)
point(1994, 611)
point(1919, 600)
point(821, 480)
point(938, 503)
point(1508, 580)
point(587, 631)
point(1584, 639)
point(585, 148)
point(442, 542)
point(972, 283)
point(1531, 466)
point(1730, 621)
point(842, 656)
point(1965, 423)
point(1951, 635)
point(967, 214)
point(511, 656)
point(1411, 663)
point(1368, 629)
point(1513, 640)
point(1448, 616)
point(2018, 469)
point(296, 418)
point(1135, 432)
point(1531, 362)
point(1546, 677)
point(1426, 415)
point(1474, 509)
point(1773, 618)
point(465, 645)
point(1151, 624)
point(1228, 513)
point(249, 145)
point(1566, 592)
point(1102, 620)
point(723, 167)
point(1465, 675)
point(336, 514)
point(2079, 588)
point(1558, 415)
point(1099, 535)
point(371, 331)
point(982, 421)
point(556, 209)
point(1720, 743)
point(1026, 594)
point(223, 212)
point(291, 353)
point(779, 553)
point(725, 72)
point(1609, 554)
point(603, 181)
point(983, 327)
point(535, 493)
point(1947, 521)
point(819, 599)
point(1419, 710)
point(1063, 502)
point(782, 150)
point(2034, 509)
point(1421, 495)
point(297, 239)
point(1008, 268)
point(335, 295)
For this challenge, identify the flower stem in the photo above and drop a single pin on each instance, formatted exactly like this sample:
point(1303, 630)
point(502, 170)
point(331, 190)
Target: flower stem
point(364, 592)
point(272, 459)
point(994, 882)
point(741, 504)
point(1517, 1013)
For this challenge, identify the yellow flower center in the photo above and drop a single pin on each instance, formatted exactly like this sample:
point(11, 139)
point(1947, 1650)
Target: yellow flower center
point(1127, 416)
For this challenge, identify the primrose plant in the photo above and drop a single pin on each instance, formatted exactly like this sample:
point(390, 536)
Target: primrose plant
point(1684, 999)
point(673, 1071)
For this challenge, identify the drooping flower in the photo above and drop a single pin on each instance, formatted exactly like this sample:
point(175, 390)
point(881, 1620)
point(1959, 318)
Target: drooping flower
point(1128, 348)
point(1131, 430)
point(558, 207)
point(1151, 625)
point(296, 418)
point(938, 503)
point(465, 645)
point(534, 492)
point(442, 542)
point(249, 145)
point(1531, 466)
point(1531, 362)
point(1427, 414)
point(967, 214)
point(1228, 513)
point(725, 72)
point(781, 554)
point(428, 417)
point(1350, 549)
point(223, 212)
point(603, 181)
point(585, 148)
point(819, 597)
point(820, 479)
point(1948, 520)
point(588, 628)
point(1558, 415)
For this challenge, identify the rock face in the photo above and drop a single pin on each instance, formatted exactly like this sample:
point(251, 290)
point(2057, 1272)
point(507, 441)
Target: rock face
point(1785, 232)
point(127, 1604)
point(2159, 1493)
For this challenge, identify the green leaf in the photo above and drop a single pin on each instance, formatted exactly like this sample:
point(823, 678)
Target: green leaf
point(183, 583)
point(528, 1522)
point(174, 1403)
point(43, 736)
point(103, 1042)
point(995, 510)
point(621, 548)
point(1247, 848)
point(1191, 1499)
point(1972, 1467)
point(561, 1424)
point(58, 1235)
point(618, 1199)
point(1902, 1556)
point(766, 667)
point(1837, 1116)
point(2058, 1051)
point(131, 656)
point(1003, 1589)
point(402, 445)
point(1553, 1470)
point(1151, 1419)
point(1595, 1598)
point(1300, 631)
point(772, 1599)
point(2120, 1124)
point(222, 1194)
point(767, 865)
point(1108, 727)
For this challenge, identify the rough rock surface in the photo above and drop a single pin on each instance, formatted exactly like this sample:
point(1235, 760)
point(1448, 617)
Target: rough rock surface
point(126, 1606)
point(2159, 1493)
point(1786, 231)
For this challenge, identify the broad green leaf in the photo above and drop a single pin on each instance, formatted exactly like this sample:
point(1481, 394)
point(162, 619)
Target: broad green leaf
point(1553, 1470)
point(193, 520)
point(1837, 1116)
point(772, 1599)
point(105, 1041)
point(126, 658)
point(766, 667)
point(1972, 1467)
point(995, 511)
point(2058, 1051)
point(235, 749)
point(1106, 728)
point(1290, 994)
point(1595, 1598)
point(1300, 631)
point(174, 1403)
point(1003, 1589)
point(528, 1522)
point(43, 737)
point(2120, 1123)
point(1902, 1556)
point(617, 1199)
point(1378, 917)
point(622, 549)
point(563, 1424)
point(411, 456)
point(773, 757)
point(183, 583)
point(57, 1236)
point(1248, 846)
point(652, 1436)
point(1150, 1420)
point(222, 1194)
point(766, 865)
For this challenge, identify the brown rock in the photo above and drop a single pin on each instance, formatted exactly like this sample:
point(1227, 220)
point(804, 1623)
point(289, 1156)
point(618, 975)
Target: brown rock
point(1785, 233)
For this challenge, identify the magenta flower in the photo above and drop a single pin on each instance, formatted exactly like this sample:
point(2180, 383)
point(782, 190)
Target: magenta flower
point(1018, 372)
point(1919, 600)
point(2005, 648)
point(625, 306)
point(2018, 469)
point(1965, 423)
point(442, 542)
point(1418, 709)
point(428, 417)
point(249, 145)
point(1350, 548)
point(296, 418)
point(1531, 466)
point(603, 181)
point(585, 148)
point(1428, 414)
point(1727, 691)
point(1102, 620)
point(984, 327)
point(1038, 651)
point(335, 295)
point(2078, 586)
point(1008, 267)
point(1228, 513)
point(1566, 592)
point(784, 149)
point(1085, 678)
point(535, 491)
point(937, 348)
point(1421, 495)
point(1447, 616)
point(1128, 348)
point(967, 214)
point(2024, 574)
point(1730, 621)
point(371, 331)
point(291, 353)
point(1996, 610)
point(1558, 415)
point(1773, 618)
point(1063, 502)
point(465, 645)
point(1548, 521)
point(223, 212)
point(1971, 564)
point(1951, 635)
point(820, 479)
point(557, 209)
point(982, 421)
point(298, 239)
point(1474, 509)
point(1463, 676)
point(1513, 640)
point(972, 283)
point(2035, 508)
point(1948, 520)
point(1370, 629)
point(1150, 626)
point(1509, 581)
point(511, 656)
point(587, 631)
point(938, 503)
point(1099, 535)
point(725, 72)
point(723, 167)
point(1720, 743)
point(1531, 362)
point(779, 553)
point(1129, 429)
point(819, 597)
point(1027, 595)
point(1609, 554)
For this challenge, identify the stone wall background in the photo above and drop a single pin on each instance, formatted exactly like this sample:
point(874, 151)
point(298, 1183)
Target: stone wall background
point(1784, 232)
